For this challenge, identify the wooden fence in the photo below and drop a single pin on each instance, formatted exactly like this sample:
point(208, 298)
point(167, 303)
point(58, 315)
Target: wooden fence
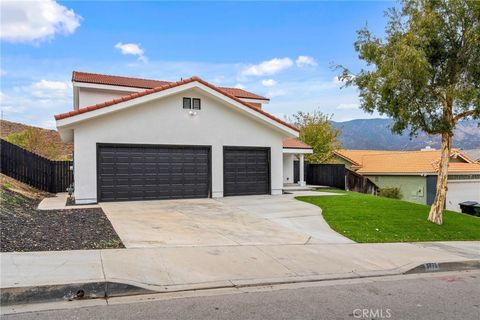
point(358, 183)
point(34, 170)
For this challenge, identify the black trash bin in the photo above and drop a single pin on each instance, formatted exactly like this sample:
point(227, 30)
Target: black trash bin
point(470, 207)
point(476, 209)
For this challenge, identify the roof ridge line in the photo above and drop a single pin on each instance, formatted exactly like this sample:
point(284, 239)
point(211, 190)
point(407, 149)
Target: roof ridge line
point(116, 76)
point(143, 83)
point(167, 86)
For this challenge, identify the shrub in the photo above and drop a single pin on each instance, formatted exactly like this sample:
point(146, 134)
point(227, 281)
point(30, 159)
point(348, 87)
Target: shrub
point(111, 244)
point(393, 193)
point(33, 140)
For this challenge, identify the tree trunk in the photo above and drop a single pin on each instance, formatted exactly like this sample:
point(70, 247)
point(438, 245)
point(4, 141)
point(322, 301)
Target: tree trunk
point(438, 205)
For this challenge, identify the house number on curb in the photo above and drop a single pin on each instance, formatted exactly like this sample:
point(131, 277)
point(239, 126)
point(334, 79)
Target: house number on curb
point(431, 266)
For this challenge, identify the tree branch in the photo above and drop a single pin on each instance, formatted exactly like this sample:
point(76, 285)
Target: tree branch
point(466, 114)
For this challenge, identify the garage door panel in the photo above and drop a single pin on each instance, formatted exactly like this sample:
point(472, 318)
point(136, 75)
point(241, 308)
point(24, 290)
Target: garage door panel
point(153, 172)
point(246, 171)
point(461, 191)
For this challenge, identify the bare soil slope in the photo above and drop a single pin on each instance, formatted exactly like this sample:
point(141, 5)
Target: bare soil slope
point(24, 228)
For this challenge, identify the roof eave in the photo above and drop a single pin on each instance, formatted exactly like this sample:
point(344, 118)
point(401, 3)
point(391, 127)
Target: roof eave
point(374, 173)
point(69, 119)
point(347, 159)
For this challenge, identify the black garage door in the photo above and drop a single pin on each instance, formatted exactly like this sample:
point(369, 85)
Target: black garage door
point(246, 171)
point(138, 172)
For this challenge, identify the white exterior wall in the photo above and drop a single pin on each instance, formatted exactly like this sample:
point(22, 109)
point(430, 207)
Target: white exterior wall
point(461, 191)
point(90, 96)
point(288, 159)
point(164, 121)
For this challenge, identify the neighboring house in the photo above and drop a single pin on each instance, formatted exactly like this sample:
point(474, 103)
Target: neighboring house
point(473, 154)
point(415, 173)
point(139, 139)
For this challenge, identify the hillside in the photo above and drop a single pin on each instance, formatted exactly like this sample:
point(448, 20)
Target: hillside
point(47, 140)
point(376, 134)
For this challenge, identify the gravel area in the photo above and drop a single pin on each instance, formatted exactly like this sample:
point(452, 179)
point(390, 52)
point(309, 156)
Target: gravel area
point(23, 228)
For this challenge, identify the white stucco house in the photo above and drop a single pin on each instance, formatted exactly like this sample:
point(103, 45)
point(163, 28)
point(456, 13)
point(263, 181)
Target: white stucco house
point(139, 139)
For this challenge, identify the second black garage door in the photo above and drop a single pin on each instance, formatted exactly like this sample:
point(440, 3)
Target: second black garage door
point(246, 171)
point(138, 172)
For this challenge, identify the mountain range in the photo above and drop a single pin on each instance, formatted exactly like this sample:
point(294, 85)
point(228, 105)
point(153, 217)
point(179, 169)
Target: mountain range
point(376, 134)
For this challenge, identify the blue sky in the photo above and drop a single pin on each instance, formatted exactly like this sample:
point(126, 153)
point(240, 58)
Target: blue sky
point(283, 50)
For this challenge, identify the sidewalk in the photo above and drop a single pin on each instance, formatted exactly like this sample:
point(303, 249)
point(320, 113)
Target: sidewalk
point(189, 268)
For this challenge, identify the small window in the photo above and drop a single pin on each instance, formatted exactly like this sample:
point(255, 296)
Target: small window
point(196, 104)
point(187, 103)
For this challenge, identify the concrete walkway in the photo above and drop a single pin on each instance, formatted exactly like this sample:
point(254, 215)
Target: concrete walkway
point(59, 202)
point(232, 221)
point(186, 268)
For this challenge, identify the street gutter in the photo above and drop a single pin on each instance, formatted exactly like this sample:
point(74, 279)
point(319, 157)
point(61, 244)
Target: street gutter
point(109, 289)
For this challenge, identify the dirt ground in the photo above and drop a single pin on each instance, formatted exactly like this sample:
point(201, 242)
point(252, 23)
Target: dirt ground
point(24, 228)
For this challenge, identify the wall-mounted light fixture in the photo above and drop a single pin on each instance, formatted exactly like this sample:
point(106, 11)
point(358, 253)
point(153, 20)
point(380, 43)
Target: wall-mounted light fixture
point(192, 113)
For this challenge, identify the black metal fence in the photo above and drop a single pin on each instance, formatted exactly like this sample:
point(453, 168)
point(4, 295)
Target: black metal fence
point(334, 175)
point(34, 170)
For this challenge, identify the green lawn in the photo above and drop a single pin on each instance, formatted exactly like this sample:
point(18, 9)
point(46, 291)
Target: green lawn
point(366, 218)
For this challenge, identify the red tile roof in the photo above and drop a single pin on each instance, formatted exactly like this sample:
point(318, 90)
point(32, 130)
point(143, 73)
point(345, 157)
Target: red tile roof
point(116, 80)
point(405, 162)
point(86, 77)
point(240, 93)
point(292, 143)
point(164, 87)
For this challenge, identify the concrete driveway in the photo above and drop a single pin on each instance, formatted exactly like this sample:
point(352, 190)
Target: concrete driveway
point(231, 221)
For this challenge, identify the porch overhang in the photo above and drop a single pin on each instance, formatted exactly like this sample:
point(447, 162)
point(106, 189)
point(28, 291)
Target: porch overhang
point(297, 151)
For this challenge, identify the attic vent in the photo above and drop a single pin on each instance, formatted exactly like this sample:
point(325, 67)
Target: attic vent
point(196, 104)
point(191, 103)
point(187, 103)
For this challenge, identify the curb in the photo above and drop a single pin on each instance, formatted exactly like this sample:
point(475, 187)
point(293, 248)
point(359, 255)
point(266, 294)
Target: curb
point(104, 290)
point(445, 266)
point(68, 292)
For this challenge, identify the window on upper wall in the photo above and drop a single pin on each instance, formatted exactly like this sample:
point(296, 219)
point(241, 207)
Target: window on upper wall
point(196, 104)
point(187, 103)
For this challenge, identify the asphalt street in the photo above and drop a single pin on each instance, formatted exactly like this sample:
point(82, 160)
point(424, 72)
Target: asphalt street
point(454, 295)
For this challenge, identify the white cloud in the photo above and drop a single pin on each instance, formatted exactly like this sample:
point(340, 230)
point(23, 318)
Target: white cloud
point(338, 82)
point(294, 91)
point(132, 49)
point(304, 61)
point(269, 67)
point(348, 106)
point(48, 90)
point(51, 85)
point(269, 82)
point(218, 80)
point(48, 123)
point(9, 105)
point(240, 86)
point(36, 103)
point(276, 93)
point(36, 21)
